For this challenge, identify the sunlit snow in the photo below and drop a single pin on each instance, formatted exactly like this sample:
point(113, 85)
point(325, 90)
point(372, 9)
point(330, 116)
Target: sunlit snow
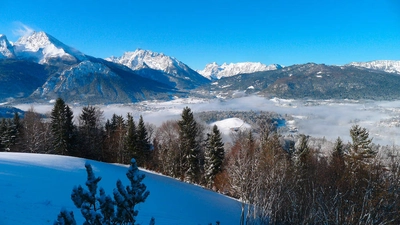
point(35, 187)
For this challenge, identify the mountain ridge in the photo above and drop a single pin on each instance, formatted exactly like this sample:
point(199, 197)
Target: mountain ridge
point(174, 71)
point(213, 71)
point(390, 66)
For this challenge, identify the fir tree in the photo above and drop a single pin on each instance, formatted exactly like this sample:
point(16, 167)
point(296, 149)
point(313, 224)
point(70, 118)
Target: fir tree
point(214, 156)
point(91, 132)
point(130, 142)
point(62, 128)
point(143, 145)
point(188, 146)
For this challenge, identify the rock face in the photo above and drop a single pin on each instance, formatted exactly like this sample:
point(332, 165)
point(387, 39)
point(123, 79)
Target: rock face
point(6, 49)
point(213, 71)
point(170, 70)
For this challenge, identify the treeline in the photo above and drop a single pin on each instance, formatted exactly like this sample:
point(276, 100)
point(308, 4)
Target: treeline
point(178, 148)
point(280, 180)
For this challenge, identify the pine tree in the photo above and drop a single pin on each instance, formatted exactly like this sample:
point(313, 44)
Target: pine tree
point(188, 146)
point(102, 209)
point(65, 218)
point(360, 150)
point(86, 199)
point(126, 198)
point(214, 156)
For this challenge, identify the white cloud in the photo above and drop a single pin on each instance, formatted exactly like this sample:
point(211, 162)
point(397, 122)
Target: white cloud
point(22, 29)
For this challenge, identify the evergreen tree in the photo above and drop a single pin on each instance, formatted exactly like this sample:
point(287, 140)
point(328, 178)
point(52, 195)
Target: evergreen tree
point(17, 130)
point(114, 141)
point(143, 145)
point(214, 155)
point(10, 130)
point(3, 135)
point(91, 132)
point(65, 218)
point(130, 142)
point(360, 150)
point(189, 147)
point(62, 128)
point(102, 209)
point(126, 198)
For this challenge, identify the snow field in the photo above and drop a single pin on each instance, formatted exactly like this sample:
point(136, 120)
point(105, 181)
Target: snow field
point(34, 187)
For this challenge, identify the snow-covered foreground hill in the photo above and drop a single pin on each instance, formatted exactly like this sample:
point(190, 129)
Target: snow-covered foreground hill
point(35, 187)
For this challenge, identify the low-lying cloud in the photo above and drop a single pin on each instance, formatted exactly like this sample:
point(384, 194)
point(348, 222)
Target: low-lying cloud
point(329, 119)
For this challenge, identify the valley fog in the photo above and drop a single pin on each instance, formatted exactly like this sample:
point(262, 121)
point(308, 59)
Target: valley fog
point(317, 118)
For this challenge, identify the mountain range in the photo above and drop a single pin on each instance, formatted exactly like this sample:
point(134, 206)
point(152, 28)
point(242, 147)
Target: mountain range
point(40, 68)
point(310, 81)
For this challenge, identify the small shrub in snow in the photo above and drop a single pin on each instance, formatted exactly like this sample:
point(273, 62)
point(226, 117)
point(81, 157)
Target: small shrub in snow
point(102, 209)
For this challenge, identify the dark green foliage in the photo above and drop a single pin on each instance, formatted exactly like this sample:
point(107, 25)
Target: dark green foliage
point(143, 144)
point(214, 156)
point(62, 128)
point(10, 132)
point(90, 132)
point(189, 147)
point(131, 139)
point(115, 131)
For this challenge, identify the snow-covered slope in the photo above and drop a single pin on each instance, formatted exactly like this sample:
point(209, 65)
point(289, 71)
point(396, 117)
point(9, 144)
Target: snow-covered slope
point(6, 49)
point(390, 66)
point(35, 187)
point(172, 70)
point(43, 48)
point(213, 71)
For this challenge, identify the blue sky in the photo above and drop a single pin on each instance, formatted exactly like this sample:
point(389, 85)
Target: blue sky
point(200, 32)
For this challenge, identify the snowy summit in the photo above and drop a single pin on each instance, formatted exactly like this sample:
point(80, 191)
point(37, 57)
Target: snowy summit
point(42, 48)
point(140, 59)
point(213, 71)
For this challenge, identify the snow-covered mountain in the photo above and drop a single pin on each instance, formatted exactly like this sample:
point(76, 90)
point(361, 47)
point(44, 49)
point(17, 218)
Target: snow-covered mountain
point(43, 48)
point(213, 71)
point(6, 49)
point(173, 71)
point(390, 66)
point(72, 75)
